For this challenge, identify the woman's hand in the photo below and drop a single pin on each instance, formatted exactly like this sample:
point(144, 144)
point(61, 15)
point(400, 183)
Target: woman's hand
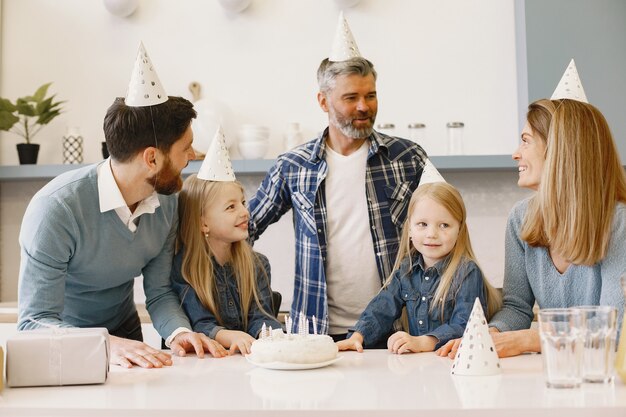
point(516, 342)
point(402, 342)
point(354, 342)
point(507, 344)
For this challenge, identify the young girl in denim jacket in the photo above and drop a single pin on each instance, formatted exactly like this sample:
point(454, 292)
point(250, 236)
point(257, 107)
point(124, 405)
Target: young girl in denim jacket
point(224, 286)
point(435, 277)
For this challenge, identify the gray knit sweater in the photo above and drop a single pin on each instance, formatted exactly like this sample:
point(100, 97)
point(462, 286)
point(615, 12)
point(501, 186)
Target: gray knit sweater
point(530, 275)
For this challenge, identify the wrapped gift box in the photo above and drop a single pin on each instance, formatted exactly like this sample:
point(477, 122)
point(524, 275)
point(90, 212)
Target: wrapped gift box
point(58, 356)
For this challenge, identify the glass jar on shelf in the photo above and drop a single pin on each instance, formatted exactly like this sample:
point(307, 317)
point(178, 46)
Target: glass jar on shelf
point(386, 128)
point(455, 138)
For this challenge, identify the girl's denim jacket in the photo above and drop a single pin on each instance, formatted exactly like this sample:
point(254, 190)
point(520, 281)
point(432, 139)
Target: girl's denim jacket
point(415, 289)
point(204, 321)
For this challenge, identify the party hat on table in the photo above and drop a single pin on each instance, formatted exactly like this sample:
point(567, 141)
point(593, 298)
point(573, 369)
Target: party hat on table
point(430, 174)
point(145, 88)
point(216, 165)
point(344, 46)
point(570, 85)
point(477, 354)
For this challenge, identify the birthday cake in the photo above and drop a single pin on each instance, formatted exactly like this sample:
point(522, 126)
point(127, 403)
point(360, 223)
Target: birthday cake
point(294, 348)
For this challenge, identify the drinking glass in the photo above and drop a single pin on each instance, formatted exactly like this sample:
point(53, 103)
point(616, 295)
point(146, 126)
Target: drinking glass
point(561, 333)
point(599, 342)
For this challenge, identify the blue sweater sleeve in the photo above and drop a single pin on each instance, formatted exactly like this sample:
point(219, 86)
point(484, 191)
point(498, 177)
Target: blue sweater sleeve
point(469, 282)
point(47, 243)
point(613, 265)
point(256, 317)
point(377, 319)
point(518, 297)
point(161, 300)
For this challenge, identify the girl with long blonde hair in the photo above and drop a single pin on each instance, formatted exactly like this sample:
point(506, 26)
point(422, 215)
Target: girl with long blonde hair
point(435, 277)
point(224, 286)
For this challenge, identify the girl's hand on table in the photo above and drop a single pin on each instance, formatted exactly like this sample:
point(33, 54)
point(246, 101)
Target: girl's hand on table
point(354, 342)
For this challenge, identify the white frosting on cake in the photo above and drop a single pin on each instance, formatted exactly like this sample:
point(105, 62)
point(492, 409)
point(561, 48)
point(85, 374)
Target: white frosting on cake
point(294, 348)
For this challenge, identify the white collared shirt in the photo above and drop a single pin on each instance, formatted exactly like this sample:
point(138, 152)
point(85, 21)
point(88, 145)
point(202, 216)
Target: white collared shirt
point(111, 198)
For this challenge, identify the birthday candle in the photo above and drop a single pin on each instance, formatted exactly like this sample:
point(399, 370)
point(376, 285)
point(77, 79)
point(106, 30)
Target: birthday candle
point(314, 325)
point(263, 330)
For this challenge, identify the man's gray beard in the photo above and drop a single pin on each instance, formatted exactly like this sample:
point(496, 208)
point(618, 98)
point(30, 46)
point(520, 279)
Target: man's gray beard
point(350, 131)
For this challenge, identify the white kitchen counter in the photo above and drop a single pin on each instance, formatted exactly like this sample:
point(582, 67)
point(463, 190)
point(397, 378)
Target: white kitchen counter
point(374, 383)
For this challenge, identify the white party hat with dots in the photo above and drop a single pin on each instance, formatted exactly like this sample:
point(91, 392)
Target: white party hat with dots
point(145, 88)
point(476, 355)
point(344, 46)
point(216, 165)
point(570, 85)
point(430, 174)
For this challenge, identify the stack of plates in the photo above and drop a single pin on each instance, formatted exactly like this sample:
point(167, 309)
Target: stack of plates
point(253, 141)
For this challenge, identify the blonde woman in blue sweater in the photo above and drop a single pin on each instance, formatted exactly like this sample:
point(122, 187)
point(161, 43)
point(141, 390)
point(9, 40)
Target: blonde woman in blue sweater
point(565, 245)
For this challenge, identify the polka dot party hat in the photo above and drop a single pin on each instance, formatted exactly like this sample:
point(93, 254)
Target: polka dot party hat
point(570, 85)
point(216, 165)
point(344, 46)
point(430, 174)
point(476, 355)
point(145, 88)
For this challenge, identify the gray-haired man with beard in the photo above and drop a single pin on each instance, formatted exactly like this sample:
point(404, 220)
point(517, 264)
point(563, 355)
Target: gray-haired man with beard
point(349, 189)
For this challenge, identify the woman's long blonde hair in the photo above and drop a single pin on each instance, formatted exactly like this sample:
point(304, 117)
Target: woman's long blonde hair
point(197, 265)
point(581, 182)
point(447, 196)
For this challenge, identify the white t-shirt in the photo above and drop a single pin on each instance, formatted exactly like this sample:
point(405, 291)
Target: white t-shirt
point(351, 273)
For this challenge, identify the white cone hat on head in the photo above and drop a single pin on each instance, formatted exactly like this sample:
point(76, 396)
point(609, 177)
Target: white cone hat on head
point(344, 46)
point(216, 165)
point(477, 354)
point(145, 88)
point(430, 174)
point(570, 85)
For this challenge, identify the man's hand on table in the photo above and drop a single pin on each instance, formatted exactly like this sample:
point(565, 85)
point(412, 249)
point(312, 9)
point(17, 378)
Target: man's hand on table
point(127, 352)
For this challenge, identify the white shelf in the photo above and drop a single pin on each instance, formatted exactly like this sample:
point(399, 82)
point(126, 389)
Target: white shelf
point(261, 166)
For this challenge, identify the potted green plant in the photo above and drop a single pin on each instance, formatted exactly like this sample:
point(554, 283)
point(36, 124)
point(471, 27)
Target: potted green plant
point(26, 117)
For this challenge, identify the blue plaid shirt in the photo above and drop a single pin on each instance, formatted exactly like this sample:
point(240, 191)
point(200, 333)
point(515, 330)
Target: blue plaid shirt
point(296, 181)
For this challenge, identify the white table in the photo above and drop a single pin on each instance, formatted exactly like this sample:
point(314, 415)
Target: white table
point(374, 383)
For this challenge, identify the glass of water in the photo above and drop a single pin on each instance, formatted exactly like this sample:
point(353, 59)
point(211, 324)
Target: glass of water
point(561, 332)
point(599, 342)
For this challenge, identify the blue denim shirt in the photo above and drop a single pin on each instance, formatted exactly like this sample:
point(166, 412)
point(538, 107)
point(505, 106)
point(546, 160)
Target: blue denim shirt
point(415, 289)
point(204, 321)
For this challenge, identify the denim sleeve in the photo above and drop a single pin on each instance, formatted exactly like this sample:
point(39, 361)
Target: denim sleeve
point(256, 317)
point(270, 202)
point(202, 320)
point(377, 319)
point(471, 286)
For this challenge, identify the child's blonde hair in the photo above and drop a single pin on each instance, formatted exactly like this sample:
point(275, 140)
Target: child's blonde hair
point(197, 266)
point(447, 196)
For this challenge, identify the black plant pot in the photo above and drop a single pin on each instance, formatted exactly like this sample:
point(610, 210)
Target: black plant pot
point(27, 153)
point(105, 150)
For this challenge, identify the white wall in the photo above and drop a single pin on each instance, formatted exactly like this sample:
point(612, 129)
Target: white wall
point(438, 61)
point(449, 60)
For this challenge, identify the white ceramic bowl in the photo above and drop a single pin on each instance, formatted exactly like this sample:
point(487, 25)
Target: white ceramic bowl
point(253, 149)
